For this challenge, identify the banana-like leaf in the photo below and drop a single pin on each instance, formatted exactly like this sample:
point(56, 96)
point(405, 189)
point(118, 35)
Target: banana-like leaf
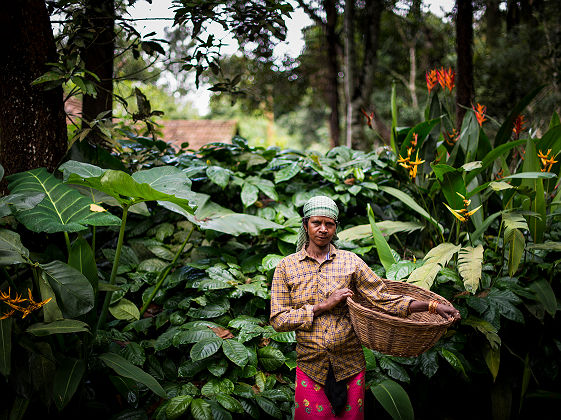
point(394, 399)
point(435, 259)
point(81, 257)
point(513, 222)
point(5, 346)
point(125, 368)
point(63, 209)
point(387, 227)
point(536, 204)
point(492, 360)
point(164, 183)
point(62, 326)
point(384, 251)
point(66, 381)
point(470, 261)
point(408, 201)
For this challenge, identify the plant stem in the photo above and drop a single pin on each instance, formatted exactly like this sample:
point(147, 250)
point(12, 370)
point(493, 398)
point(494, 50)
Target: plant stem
point(67, 239)
point(105, 308)
point(93, 241)
point(165, 273)
point(8, 278)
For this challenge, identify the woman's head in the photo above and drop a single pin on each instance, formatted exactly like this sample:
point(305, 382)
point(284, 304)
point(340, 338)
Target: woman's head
point(321, 206)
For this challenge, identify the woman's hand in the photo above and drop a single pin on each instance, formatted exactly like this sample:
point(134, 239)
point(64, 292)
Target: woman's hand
point(448, 312)
point(338, 296)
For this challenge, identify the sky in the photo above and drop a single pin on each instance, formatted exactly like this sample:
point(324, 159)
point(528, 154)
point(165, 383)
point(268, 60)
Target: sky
point(293, 45)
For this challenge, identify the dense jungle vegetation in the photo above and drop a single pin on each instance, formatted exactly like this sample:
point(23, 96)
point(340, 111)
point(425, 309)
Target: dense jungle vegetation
point(135, 277)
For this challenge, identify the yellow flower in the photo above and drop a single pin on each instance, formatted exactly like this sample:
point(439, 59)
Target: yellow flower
point(462, 214)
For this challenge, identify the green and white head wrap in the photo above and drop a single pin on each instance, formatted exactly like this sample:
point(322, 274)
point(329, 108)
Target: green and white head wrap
point(317, 206)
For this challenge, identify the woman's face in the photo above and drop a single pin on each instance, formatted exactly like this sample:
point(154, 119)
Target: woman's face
point(321, 230)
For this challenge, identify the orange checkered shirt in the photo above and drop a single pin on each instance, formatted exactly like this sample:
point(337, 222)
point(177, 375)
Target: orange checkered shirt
point(299, 283)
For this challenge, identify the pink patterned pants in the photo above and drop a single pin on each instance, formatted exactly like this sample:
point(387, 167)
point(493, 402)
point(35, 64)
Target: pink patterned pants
point(312, 403)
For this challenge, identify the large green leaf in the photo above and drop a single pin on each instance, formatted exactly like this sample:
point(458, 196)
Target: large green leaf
point(384, 251)
point(164, 183)
point(124, 368)
point(492, 358)
point(470, 261)
point(452, 182)
point(81, 257)
point(12, 250)
point(61, 326)
point(270, 358)
point(387, 227)
point(177, 406)
point(67, 378)
point(19, 202)
point(435, 259)
point(74, 293)
point(408, 201)
point(268, 407)
point(200, 410)
point(125, 310)
point(545, 295)
point(5, 346)
point(63, 209)
point(394, 399)
point(211, 216)
point(236, 352)
point(513, 222)
point(205, 348)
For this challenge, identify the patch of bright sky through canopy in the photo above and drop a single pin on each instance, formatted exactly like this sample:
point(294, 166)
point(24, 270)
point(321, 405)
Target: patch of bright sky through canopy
point(163, 14)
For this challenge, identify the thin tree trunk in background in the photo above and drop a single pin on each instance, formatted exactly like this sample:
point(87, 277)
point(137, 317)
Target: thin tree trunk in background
point(492, 22)
point(464, 66)
point(332, 71)
point(349, 71)
point(363, 85)
point(98, 58)
point(32, 120)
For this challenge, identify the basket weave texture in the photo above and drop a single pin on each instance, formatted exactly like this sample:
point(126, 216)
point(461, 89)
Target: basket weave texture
point(394, 335)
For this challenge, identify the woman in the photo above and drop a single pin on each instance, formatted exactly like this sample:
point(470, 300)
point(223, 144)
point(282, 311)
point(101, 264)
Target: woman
point(308, 296)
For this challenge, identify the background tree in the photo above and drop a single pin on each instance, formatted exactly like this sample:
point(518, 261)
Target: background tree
point(32, 121)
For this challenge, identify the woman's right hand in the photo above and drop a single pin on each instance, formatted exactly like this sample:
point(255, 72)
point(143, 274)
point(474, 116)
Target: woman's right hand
point(338, 296)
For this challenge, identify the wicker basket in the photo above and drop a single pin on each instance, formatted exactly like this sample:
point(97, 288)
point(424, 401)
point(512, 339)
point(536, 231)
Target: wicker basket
point(394, 335)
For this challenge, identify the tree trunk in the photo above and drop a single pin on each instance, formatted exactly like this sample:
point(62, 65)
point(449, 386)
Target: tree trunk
point(349, 71)
point(464, 66)
point(363, 83)
point(32, 121)
point(332, 71)
point(98, 58)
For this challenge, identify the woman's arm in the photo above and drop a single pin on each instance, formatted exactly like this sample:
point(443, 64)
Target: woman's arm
point(284, 317)
point(445, 311)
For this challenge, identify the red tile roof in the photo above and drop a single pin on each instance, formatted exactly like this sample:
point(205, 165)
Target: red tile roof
point(196, 132)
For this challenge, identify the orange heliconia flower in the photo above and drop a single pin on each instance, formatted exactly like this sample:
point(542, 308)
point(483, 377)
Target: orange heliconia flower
point(547, 162)
point(415, 138)
point(15, 303)
point(369, 117)
point(480, 113)
point(432, 79)
point(451, 138)
point(519, 124)
point(446, 78)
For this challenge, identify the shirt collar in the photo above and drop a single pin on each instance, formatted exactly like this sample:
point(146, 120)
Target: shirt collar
point(303, 254)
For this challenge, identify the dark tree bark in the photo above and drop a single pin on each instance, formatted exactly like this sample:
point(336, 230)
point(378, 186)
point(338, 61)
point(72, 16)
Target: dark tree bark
point(493, 22)
point(332, 70)
point(98, 58)
point(32, 120)
point(464, 65)
point(362, 82)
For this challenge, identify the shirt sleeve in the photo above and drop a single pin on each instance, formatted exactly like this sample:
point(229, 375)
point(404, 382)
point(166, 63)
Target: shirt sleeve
point(375, 291)
point(284, 317)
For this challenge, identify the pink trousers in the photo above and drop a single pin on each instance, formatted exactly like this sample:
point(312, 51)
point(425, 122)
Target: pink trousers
point(312, 403)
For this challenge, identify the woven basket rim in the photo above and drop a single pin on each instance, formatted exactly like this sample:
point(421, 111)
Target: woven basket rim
point(380, 315)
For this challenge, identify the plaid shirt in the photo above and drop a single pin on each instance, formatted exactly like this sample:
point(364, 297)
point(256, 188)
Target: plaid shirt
point(299, 283)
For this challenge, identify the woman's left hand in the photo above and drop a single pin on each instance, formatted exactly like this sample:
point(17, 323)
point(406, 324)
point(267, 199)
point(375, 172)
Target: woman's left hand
point(448, 311)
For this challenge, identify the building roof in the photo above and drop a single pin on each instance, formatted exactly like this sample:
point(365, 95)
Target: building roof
point(196, 132)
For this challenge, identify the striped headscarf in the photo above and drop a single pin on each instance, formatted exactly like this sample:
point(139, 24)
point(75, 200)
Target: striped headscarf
point(317, 206)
